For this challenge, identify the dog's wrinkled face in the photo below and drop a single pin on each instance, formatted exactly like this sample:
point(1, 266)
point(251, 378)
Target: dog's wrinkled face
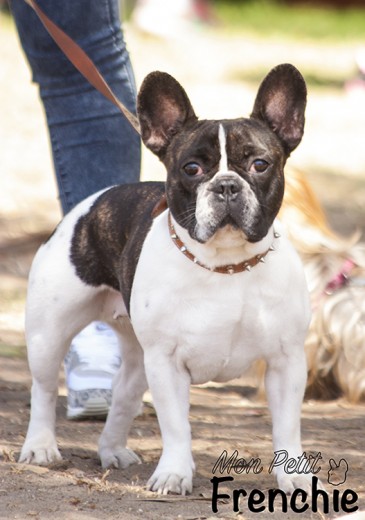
point(231, 174)
point(224, 174)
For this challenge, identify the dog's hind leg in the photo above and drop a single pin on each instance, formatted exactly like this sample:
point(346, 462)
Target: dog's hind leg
point(54, 315)
point(40, 446)
point(47, 348)
point(128, 388)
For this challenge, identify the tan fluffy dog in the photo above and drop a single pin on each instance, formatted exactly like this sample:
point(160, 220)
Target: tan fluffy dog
point(335, 270)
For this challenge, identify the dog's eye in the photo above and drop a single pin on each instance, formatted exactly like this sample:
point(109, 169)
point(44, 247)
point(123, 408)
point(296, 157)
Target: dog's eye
point(192, 169)
point(259, 166)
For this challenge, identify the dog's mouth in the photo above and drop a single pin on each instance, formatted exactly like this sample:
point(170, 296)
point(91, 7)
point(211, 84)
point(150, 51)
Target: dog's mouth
point(204, 230)
point(251, 228)
point(229, 221)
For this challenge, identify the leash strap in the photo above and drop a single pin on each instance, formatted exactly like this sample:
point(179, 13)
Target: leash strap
point(83, 63)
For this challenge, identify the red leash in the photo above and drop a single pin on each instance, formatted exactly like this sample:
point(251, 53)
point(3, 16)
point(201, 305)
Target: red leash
point(83, 63)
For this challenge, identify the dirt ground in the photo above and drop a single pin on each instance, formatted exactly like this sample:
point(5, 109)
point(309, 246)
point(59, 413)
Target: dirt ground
point(223, 417)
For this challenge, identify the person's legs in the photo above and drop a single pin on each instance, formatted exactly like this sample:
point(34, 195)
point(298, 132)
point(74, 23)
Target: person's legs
point(93, 145)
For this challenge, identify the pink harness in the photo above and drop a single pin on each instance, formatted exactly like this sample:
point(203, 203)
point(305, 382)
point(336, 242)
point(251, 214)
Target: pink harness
point(341, 278)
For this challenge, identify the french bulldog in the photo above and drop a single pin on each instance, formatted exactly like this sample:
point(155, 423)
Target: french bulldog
point(193, 275)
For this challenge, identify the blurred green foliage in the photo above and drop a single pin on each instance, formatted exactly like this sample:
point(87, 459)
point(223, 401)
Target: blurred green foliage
point(270, 18)
point(314, 78)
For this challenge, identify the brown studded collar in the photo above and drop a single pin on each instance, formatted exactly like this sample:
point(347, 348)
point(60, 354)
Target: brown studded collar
point(223, 269)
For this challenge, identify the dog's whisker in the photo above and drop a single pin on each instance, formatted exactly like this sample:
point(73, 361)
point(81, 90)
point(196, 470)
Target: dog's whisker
point(187, 217)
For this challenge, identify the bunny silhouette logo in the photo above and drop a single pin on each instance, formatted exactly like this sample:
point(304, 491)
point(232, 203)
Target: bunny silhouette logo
point(337, 473)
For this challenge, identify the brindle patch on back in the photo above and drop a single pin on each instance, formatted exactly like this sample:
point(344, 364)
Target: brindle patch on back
point(107, 241)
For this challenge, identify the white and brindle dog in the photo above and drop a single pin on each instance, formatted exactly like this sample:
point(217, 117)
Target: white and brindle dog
point(195, 294)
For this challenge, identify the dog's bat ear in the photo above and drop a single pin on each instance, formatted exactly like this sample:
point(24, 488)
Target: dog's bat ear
point(163, 109)
point(280, 103)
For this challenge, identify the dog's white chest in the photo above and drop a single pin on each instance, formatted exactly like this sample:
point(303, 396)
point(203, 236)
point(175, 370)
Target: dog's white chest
point(214, 325)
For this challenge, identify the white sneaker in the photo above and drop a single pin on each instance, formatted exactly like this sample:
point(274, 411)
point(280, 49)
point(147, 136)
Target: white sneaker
point(90, 366)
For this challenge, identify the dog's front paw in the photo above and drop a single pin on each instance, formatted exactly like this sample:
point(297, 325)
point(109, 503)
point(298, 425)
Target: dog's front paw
point(288, 483)
point(40, 451)
point(118, 458)
point(164, 482)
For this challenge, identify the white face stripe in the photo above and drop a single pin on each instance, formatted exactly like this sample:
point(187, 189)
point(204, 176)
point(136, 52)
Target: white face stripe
point(223, 163)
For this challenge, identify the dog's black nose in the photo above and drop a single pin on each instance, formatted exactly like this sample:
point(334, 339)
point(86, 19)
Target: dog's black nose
point(226, 187)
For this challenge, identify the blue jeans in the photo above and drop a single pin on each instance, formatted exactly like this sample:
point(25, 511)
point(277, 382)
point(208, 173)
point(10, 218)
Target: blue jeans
point(93, 145)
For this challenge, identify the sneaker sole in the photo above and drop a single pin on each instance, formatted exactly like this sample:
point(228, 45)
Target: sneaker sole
point(93, 407)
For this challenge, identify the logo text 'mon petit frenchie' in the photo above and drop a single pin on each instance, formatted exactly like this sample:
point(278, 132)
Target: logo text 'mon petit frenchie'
point(275, 500)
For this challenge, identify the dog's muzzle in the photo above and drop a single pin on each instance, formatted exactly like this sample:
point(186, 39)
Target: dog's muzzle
point(226, 200)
